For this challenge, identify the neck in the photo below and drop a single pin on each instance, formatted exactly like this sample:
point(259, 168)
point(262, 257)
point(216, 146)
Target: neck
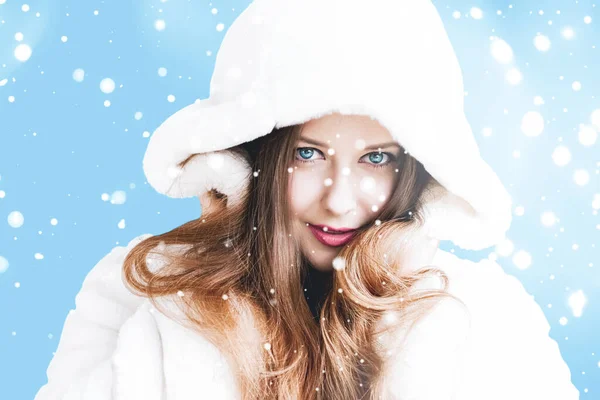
point(318, 284)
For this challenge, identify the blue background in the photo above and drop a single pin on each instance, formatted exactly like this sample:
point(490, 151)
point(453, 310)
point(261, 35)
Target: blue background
point(61, 149)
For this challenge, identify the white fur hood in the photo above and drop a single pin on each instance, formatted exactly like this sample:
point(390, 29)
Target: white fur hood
point(115, 345)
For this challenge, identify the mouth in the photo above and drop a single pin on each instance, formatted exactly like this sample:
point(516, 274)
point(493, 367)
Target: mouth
point(330, 238)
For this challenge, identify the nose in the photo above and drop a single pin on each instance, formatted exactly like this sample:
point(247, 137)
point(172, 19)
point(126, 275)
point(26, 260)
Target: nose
point(339, 198)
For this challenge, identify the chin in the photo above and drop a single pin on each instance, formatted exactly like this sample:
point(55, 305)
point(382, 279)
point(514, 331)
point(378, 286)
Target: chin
point(324, 262)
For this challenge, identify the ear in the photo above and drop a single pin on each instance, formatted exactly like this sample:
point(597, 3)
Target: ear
point(211, 201)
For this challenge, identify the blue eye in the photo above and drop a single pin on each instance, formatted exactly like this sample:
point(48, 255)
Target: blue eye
point(376, 158)
point(306, 152)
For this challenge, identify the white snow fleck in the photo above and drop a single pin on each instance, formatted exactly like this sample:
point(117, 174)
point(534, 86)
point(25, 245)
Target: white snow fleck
point(522, 259)
point(563, 321)
point(118, 197)
point(107, 85)
point(54, 222)
point(15, 219)
point(367, 184)
point(3, 264)
point(138, 115)
point(328, 182)
point(595, 118)
point(581, 177)
point(160, 25)
point(39, 256)
point(19, 36)
point(576, 302)
point(561, 155)
point(501, 51)
point(162, 72)
point(587, 19)
point(121, 224)
point(568, 33)
point(542, 42)
point(587, 135)
point(514, 76)
point(64, 39)
point(338, 263)
point(25, 7)
point(170, 98)
point(548, 218)
point(78, 75)
point(220, 27)
point(23, 52)
point(596, 202)
point(532, 124)
point(538, 100)
point(476, 13)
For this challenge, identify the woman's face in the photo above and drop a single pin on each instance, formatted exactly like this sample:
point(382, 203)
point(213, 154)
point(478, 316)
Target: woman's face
point(344, 169)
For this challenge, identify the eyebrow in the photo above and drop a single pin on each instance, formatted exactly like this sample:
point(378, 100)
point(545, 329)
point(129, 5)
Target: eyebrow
point(372, 147)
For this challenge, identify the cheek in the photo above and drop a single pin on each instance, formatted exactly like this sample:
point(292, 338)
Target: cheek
point(376, 189)
point(304, 190)
point(387, 185)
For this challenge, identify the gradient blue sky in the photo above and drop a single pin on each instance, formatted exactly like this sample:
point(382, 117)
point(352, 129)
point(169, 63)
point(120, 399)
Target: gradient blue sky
point(72, 185)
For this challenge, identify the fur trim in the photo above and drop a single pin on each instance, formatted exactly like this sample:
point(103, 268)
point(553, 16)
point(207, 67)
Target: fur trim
point(272, 72)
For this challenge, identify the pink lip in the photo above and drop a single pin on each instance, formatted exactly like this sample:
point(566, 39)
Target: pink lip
point(334, 230)
point(331, 239)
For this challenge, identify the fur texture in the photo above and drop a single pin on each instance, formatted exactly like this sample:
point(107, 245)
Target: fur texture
point(116, 346)
point(399, 68)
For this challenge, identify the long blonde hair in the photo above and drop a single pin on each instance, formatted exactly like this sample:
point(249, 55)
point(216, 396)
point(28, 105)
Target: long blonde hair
point(240, 284)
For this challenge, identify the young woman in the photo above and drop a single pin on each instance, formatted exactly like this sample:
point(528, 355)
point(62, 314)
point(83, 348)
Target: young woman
point(331, 158)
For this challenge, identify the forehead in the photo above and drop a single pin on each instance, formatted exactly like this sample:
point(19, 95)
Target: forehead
point(329, 126)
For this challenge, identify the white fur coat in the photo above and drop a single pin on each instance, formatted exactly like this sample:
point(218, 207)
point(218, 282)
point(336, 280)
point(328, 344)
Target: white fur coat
point(115, 346)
